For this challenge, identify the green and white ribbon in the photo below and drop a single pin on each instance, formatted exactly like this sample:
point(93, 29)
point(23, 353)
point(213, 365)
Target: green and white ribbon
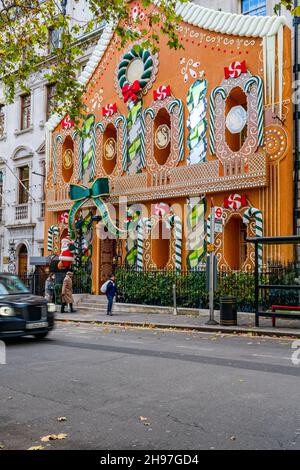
point(212, 112)
point(172, 106)
point(260, 105)
point(53, 230)
point(88, 150)
point(197, 123)
point(257, 214)
point(119, 120)
point(58, 139)
point(134, 140)
point(196, 232)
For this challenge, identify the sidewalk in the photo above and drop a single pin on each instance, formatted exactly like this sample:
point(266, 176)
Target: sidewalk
point(246, 322)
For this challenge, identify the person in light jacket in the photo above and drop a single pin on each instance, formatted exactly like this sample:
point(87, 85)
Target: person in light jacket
point(111, 291)
point(67, 292)
point(50, 288)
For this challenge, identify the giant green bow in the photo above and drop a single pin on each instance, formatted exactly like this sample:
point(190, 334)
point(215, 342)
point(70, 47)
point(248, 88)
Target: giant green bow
point(100, 188)
point(81, 194)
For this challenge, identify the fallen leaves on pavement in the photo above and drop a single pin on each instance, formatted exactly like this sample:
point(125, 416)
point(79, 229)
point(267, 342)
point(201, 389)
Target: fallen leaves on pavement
point(54, 437)
point(36, 448)
point(1, 446)
point(62, 418)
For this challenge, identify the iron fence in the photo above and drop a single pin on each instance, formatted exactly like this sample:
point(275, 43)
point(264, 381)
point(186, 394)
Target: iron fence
point(35, 282)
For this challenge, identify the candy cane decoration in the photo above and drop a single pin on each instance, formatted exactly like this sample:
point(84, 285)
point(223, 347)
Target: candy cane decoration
point(212, 112)
point(144, 224)
point(196, 232)
point(53, 230)
point(134, 130)
point(57, 139)
point(197, 123)
point(120, 120)
point(175, 222)
point(253, 212)
point(260, 105)
point(172, 106)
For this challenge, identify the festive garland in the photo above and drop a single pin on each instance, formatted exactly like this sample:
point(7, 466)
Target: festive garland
point(146, 57)
point(197, 123)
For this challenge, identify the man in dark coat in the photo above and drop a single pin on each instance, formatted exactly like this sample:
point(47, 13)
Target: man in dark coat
point(111, 291)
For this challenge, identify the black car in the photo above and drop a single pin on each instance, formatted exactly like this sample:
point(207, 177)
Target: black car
point(22, 313)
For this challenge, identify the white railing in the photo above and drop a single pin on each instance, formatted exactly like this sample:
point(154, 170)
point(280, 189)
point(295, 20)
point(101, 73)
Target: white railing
point(22, 211)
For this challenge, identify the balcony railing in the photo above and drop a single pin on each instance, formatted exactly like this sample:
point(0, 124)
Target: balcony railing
point(180, 181)
point(22, 211)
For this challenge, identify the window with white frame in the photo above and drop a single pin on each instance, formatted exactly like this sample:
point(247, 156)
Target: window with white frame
point(254, 7)
point(2, 120)
point(25, 111)
point(23, 184)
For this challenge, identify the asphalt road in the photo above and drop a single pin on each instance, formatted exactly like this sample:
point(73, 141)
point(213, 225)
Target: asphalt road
point(147, 389)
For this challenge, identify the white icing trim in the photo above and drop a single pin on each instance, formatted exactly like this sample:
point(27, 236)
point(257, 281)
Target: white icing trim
point(266, 27)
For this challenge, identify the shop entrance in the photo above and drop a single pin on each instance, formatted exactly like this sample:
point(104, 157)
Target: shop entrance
point(107, 259)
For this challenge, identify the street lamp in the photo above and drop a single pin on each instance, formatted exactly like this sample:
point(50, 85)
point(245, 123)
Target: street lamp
point(12, 257)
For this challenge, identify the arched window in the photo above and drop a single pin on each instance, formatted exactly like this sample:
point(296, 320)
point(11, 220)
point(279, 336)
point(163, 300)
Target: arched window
point(236, 119)
point(68, 158)
point(110, 140)
point(162, 136)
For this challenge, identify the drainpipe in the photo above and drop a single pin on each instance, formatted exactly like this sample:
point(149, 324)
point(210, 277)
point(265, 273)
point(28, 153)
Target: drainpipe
point(296, 119)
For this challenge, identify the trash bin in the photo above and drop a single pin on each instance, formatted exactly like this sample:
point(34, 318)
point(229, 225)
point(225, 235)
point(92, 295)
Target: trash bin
point(228, 311)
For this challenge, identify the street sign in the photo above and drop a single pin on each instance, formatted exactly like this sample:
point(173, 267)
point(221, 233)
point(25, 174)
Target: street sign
point(218, 212)
point(218, 226)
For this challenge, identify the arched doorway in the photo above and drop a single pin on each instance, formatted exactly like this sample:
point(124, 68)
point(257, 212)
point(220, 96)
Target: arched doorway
point(22, 260)
point(235, 245)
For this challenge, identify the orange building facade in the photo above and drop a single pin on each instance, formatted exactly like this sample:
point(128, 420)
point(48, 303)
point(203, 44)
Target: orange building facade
point(167, 132)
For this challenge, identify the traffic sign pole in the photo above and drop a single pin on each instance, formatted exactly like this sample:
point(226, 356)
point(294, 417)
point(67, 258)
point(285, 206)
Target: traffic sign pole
point(212, 320)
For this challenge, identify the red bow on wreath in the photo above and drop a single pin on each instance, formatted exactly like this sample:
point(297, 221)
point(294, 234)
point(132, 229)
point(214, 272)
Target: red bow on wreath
point(130, 91)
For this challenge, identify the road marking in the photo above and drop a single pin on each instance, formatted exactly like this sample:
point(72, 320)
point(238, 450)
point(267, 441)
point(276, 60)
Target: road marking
point(195, 348)
point(271, 357)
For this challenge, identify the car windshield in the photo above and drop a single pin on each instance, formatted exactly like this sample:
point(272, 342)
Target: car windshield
point(12, 285)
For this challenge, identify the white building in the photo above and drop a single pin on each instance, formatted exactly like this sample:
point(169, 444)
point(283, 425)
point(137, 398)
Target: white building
point(22, 146)
point(22, 154)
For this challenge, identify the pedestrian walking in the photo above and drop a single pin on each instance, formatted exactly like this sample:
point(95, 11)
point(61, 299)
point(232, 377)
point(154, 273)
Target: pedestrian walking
point(111, 291)
point(50, 288)
point(67, 292)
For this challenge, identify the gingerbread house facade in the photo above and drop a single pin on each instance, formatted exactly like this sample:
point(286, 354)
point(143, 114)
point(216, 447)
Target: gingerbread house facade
point(164, 133)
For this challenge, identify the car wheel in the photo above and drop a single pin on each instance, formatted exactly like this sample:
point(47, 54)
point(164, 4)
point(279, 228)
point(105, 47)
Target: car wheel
point(41, 335)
